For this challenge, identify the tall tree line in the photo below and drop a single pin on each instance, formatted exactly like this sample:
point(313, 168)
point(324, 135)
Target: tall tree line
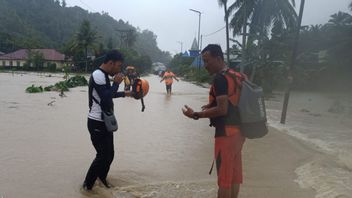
point(51, 24)
point(267, 29)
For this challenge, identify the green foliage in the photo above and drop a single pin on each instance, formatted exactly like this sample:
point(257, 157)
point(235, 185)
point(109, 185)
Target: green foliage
point(52, 67)
point(60, 86)
point(142, 63)
point(47, 24)
point(66, 70)
point(35, 59)
point(182, 67)
point(34, 89)
point(324, 50)
point(49, 88)
point(76, 81)
point(201, 75)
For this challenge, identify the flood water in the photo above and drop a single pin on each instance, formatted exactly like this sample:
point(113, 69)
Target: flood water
point(45, 150)
point(324, 122)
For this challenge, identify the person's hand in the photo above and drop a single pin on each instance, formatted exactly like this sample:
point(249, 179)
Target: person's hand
point(128, 93)
point(118, 78)
point(205, 107)
point(187, 111)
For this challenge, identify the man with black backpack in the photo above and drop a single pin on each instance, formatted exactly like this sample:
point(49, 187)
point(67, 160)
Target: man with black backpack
point(101, 119)
point(223, 112)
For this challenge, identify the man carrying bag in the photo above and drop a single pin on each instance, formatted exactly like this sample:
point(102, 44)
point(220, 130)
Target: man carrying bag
point(101, 119)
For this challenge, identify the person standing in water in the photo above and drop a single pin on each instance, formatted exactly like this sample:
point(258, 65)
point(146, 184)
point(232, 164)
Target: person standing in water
point(224, 116)
point(101, 94)
point(168, 77)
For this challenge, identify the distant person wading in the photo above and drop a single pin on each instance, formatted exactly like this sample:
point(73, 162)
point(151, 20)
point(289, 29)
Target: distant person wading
point(168, 78)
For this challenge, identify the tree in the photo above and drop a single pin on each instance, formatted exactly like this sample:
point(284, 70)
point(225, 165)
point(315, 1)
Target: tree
point(63, 3)
point(85, 38)
point(261, 16)
point(110, 43)
point(35, 59)
point(57, 2)
point(340, 19)
point(224, 3)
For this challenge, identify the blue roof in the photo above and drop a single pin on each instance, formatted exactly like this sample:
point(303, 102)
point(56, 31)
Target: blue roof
point(185, 54)
point(198, 61)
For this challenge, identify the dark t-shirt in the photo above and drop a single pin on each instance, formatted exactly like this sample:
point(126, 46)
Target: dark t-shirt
point(220, 89)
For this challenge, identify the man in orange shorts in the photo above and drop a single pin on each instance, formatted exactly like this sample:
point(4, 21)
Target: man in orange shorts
point(224, 116)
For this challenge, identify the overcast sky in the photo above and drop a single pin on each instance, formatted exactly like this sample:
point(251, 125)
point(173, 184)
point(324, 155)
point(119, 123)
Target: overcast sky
point(173, 22)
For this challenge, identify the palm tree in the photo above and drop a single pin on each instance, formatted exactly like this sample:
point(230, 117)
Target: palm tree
point(261, 16)
point(224, 3)
point(85, 38)
point(340, 19)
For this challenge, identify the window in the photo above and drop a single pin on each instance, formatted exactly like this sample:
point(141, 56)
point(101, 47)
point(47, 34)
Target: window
point(18, 63)
point(3, 63)
point(11, 63)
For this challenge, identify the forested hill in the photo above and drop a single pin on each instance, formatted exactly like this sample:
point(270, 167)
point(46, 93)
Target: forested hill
point(50, 24)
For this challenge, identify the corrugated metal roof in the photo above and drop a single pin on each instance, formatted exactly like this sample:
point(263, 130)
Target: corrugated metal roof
point(22, 54)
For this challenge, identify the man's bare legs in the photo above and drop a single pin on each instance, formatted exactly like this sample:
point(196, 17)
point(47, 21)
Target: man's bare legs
point(229, 193)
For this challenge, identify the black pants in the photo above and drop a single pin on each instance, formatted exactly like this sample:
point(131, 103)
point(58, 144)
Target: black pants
point(168, 88)
point(103, 143)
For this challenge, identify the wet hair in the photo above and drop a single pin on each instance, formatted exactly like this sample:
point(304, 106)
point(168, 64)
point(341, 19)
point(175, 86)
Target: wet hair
point(214, 50)
point(113, 55)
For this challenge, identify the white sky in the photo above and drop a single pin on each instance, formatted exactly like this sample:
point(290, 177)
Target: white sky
point(173, 22)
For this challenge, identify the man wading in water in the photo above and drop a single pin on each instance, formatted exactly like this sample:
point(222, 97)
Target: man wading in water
point(101, 94)
point(224, 116)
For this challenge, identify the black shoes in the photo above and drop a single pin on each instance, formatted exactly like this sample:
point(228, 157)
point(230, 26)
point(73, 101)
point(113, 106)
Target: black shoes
point(106, 183)
point(86, 188)
point(89, 189)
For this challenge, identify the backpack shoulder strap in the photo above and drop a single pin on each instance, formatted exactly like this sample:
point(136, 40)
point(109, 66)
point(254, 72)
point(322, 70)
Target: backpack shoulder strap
point(234, 85)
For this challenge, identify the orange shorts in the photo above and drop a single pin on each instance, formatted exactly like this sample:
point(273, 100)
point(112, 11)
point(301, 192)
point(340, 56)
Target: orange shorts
point(228, 160)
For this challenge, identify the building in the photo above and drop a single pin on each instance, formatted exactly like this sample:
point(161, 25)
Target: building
point(20, 57)
point(194, 51)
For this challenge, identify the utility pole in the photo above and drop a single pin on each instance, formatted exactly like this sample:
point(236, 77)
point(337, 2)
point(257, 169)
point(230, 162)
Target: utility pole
point(181, 43)
point(292, 64)
point(199, 16)
point(244, 40)
point(227, 34)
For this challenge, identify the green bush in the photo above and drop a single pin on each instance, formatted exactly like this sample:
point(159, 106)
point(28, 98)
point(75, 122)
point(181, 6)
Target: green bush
point(34, 89)
point(60, 86)
point(52, 67)
point(76, 81)
point(49, 88)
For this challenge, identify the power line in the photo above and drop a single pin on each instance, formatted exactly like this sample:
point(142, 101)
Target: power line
point(87, 6)
point(214, 32)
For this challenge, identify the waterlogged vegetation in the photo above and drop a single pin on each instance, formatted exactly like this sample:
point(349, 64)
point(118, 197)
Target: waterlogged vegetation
point(60, 86)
